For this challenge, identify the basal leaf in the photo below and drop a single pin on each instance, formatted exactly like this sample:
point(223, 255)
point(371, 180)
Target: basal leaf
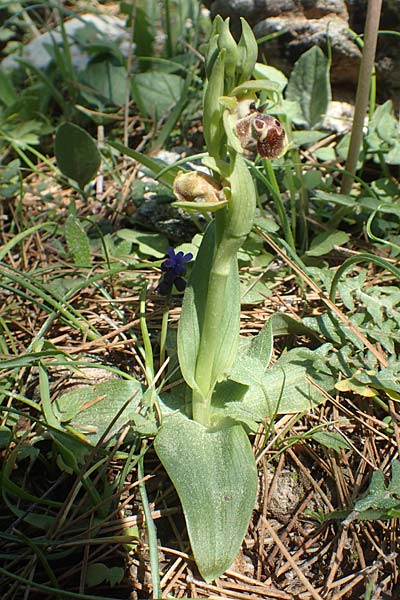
point(91, 408)
point(157, 92)
point(215, 475)
point(309, 85)
point(77, 242)
point(331, 439)
point(76, 153)
point(150, 244)
point(253, 393)
point(325, 242)
point(104, 83)
point(380, 496)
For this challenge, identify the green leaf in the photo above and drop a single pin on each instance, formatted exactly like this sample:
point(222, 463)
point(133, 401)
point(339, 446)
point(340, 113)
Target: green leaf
point(150, 244)
point(8, 94)
point(157, 92)
point(253, 393)
point(5, 436)
point(77, 242)
point(255, 85)
point(104, 83)
point(379, 496)
point(90, 409)
point(304, 137)
point(215, 475)
point(325, 154)
point(325, 242)
point(331, 439)
point(76, 153)
point(98, 573)
point(143, 37)
point(309, 85)
point(262, 71)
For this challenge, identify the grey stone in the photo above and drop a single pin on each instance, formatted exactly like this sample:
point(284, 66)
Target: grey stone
point(38, 51)
point(301, 34)
point(310, 22)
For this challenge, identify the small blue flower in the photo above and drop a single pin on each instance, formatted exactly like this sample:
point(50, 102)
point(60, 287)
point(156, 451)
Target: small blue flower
point(174, 268)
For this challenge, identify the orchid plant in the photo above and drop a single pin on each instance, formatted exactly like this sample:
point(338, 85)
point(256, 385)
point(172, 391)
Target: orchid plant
point(207, 453)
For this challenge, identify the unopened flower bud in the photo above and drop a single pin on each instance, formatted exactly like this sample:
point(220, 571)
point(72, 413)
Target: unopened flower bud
point(198, 191)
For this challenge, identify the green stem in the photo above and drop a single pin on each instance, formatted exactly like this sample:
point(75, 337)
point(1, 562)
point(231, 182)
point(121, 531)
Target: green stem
point(273, 186)
point(163, 334)
point(148, 350)
point(226, 248)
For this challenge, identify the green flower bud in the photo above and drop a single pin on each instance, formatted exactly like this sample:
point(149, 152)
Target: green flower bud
point(227, 41)
point(213, 127)
point(248, 52)
point(211, 55)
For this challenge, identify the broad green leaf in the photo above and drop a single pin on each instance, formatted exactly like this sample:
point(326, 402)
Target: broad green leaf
point(262, 71)
point(328, 326)
point(150, 244)
point(253, 291)
point(331, 439)
point(215, 475)
point(5, 436)
point(387, 379)
point(304, 137)
point(8, 93)
point(104, 83)
point(97, 573)
point(325, 154)
point(309, 85)
point(77, 242)
point(393, 156)
point(312, 179)
point(73, 451)
point(283, 324)
point(76, 153)
point(255, 85)
point(253, 393)
point(380, 496)
point(259, 347)
point(325, 242)
point(90, 409)
point(157, 92)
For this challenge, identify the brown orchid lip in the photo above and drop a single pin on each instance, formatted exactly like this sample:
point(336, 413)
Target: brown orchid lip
point(262, 130)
